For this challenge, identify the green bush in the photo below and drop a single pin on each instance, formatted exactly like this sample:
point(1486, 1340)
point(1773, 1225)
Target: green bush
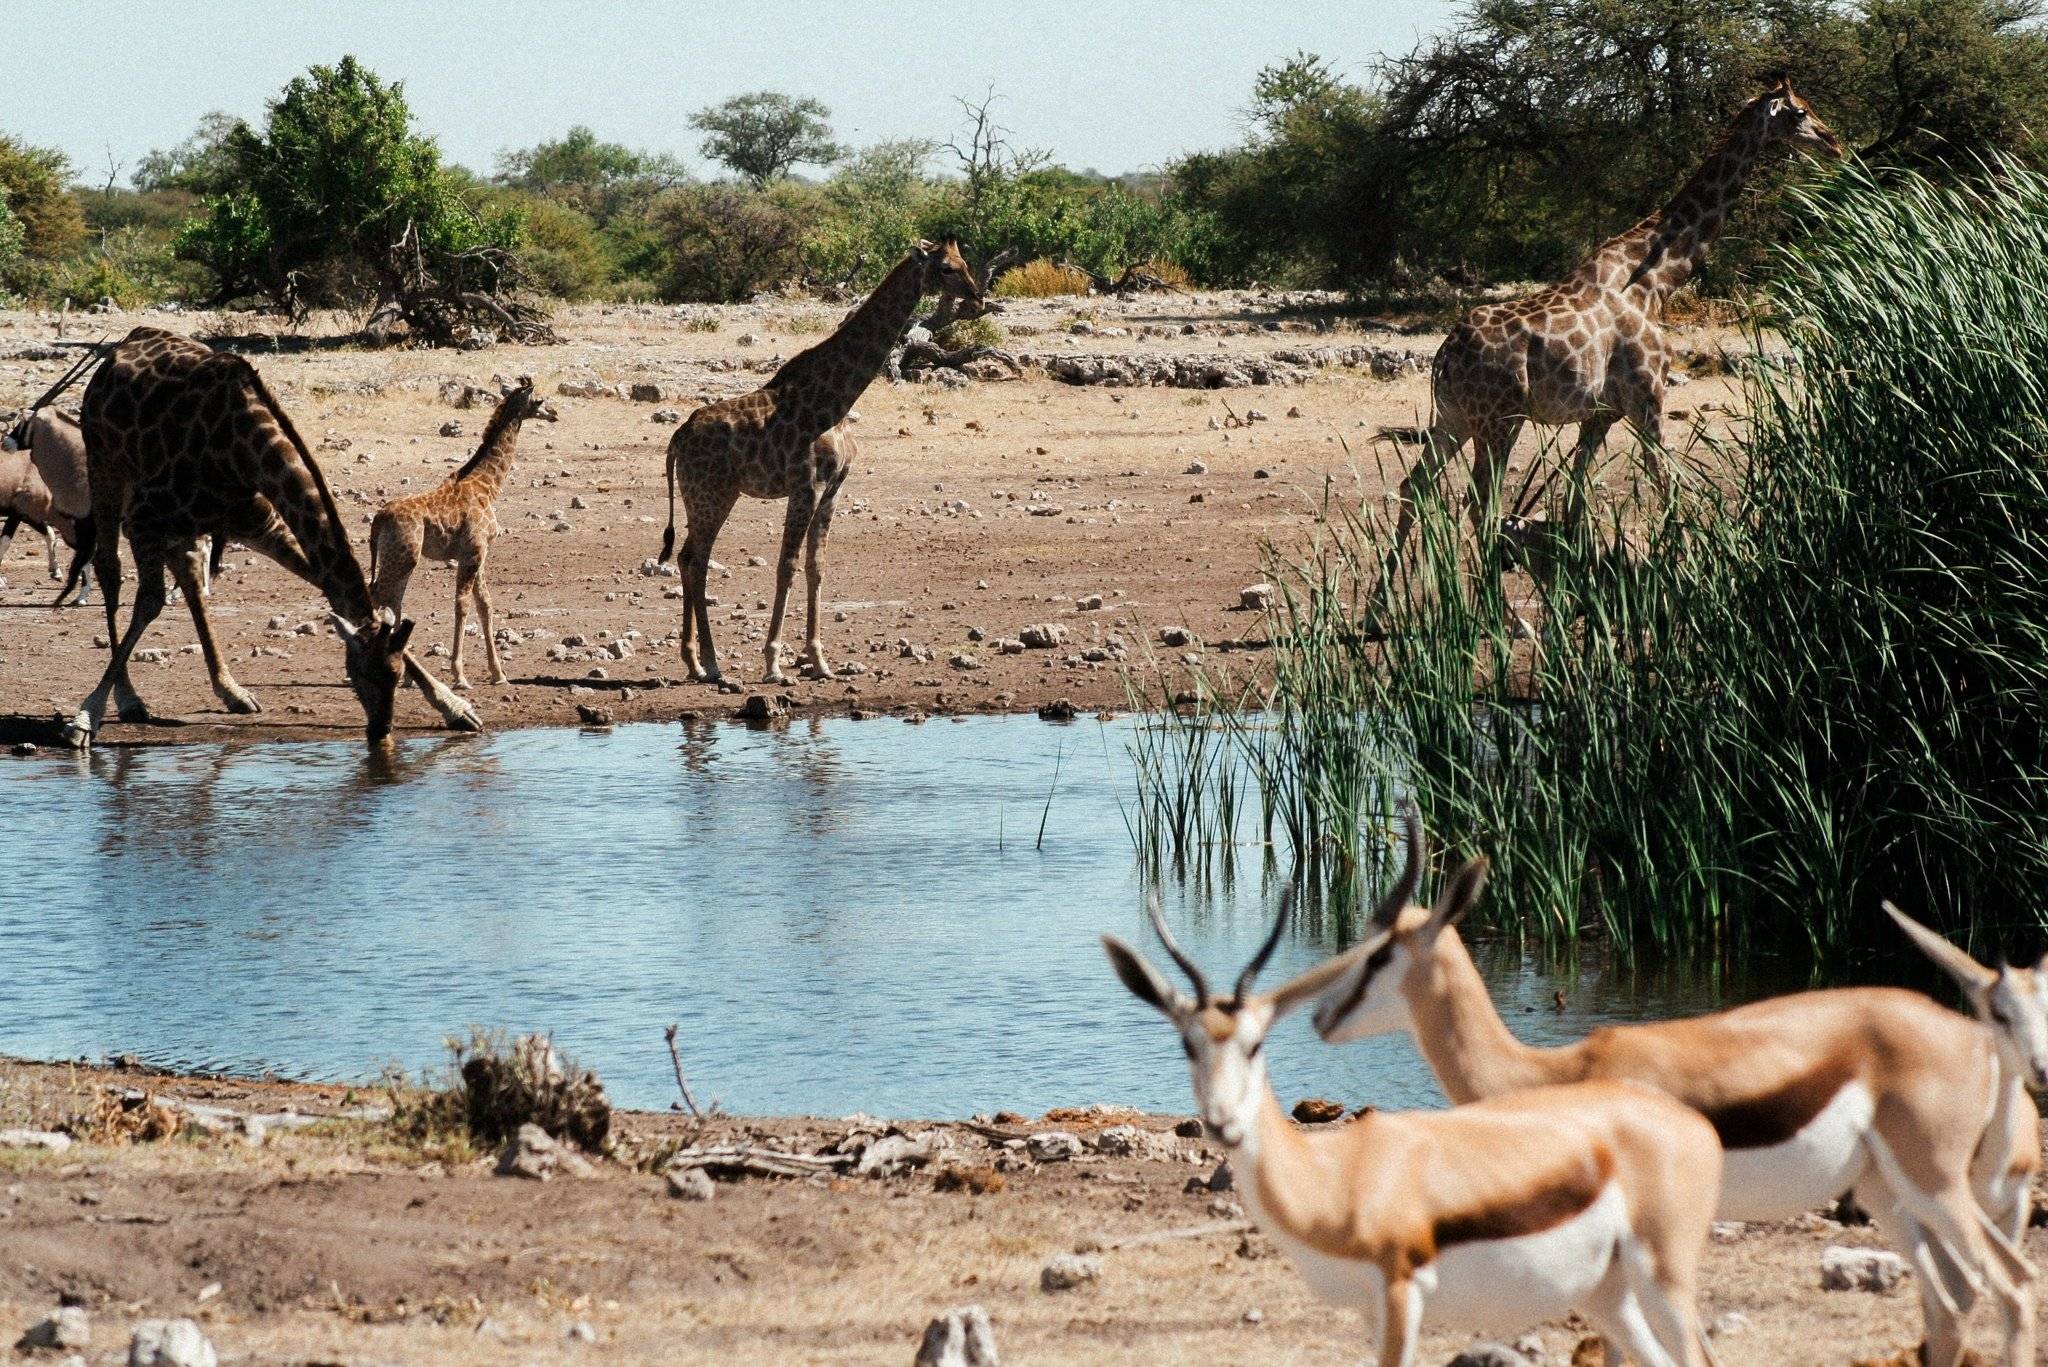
point(723, 244)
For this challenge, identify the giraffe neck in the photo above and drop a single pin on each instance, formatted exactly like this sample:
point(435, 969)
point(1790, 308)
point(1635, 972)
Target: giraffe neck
point(298, 490)
point(1661, 253)
point(835, 372)
point(485, 472)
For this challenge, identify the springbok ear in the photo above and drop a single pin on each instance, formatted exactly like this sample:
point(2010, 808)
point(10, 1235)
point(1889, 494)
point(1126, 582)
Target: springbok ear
point(1143, 980)
point(1973, 977)
point(342, 626)
point(401, 634)
point(1320, 979)
point(1459, 896)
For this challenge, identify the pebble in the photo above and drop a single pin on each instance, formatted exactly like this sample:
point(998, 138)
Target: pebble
point(1860, 1269)
point(576, 502)
point(1486, 1354)
point(593, 716)
point(1196, 467)
point(581, 1331)
point(1176, 636)
point(964, 661)
point(536, 1154)
point(451, 428)
point(1255, 1316)
point(666, 417)
point(1042, 635)
point(1054, 1146)
point(1069, 1270)
point(1088, 602)
point(1256, 597)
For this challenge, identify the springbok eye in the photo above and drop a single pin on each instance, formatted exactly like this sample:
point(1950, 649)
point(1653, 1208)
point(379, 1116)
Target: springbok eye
point(1253, 1052)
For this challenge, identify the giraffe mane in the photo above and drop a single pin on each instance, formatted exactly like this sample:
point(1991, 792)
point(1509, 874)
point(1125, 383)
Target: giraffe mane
point(502, 417)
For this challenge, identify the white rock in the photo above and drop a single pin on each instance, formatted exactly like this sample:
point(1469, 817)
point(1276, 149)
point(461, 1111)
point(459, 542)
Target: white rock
point(1054, 1146)
point(1255, 598)
point(70, 1327)
point(691, 1184)
point(581, 1331)
point(1069, 1270)
point(1860, 1269)
point(170, 1343)
point(1486, 1354)
point(536, 1154)
point(961, 1337)
point(52, 1140)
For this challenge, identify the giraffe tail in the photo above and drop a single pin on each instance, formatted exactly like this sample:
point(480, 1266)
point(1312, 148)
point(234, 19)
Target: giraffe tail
point(668, 538)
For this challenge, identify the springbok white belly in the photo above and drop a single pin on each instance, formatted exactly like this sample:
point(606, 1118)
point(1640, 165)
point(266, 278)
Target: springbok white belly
point(1497, 1285)
point(1808, 1170)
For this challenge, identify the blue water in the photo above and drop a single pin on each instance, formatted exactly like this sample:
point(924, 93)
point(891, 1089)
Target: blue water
point(843, 916)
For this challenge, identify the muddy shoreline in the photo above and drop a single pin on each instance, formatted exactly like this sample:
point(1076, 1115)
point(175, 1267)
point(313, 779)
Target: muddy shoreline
point(295, 1225)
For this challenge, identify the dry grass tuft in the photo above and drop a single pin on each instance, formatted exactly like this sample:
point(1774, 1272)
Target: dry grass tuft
point(969, 332)
point(1169, 272)
point(114, 1118)
point(1041, 279)
point(495, 1086)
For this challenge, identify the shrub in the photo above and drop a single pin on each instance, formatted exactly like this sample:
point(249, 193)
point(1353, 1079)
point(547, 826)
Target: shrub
point(1041, 279)
point(494, 1086)
point(722, 244)
point(970, 332)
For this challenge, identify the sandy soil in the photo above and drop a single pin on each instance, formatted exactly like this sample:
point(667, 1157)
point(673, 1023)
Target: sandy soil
point(341, 1244)
point(986, 508)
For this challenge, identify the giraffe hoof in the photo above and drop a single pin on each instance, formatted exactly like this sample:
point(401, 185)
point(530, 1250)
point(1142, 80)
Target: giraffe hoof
point(134, 711)
point(78, 732)
point(500, 677)
point(817, 669)
point(241, 702)
point(461, 684)
point(775, 676)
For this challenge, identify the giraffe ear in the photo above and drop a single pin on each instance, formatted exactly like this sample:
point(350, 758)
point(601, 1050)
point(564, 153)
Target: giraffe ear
point(342, 626)
point(401, 635)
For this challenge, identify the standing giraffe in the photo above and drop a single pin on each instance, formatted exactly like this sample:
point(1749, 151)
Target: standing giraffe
point(783, 441)
point(1589, 349)
point(455, 520)
point(184, 442)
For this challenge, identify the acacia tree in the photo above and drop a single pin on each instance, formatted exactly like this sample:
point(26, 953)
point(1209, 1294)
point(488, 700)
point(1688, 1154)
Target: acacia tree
point(339, 202)
point(765, 134)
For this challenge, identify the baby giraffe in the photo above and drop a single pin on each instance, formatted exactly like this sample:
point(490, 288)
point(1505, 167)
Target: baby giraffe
point(1594, 1196)
point(454, 521)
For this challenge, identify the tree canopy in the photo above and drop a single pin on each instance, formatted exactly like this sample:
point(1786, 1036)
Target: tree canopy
point(764, 135)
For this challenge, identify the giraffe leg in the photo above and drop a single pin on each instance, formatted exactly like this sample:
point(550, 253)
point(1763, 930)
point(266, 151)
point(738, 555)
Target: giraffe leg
point(796, 525)
point(1439, 444)
point(149, 602)
point(689, 626)
point(483, 612)
point(708, 512)
point(815, 665)
point(465, 577)
point(1592, 432)
point(189, 566)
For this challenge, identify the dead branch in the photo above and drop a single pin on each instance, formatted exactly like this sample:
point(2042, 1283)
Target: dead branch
point(759, 1159)
point(1170, 1235)
point(681, 1086)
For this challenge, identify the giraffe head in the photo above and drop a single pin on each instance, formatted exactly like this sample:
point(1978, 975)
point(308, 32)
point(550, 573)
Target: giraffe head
point(946, 271)
point(530, 403)
point(376, 666)
point(1791, 120)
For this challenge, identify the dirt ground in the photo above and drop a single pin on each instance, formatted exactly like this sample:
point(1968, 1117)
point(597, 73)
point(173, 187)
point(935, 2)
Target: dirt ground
point(985, 508)
point(341, 1243)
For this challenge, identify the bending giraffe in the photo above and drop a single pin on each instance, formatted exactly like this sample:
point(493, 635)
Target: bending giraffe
point(783, 441)
point(1590, 349)
point(184, 442)
point(455, 520)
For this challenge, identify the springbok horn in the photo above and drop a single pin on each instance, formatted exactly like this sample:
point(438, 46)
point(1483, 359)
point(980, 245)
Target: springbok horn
point(1187, 965)
point(1403, 891)
point(1251, 970)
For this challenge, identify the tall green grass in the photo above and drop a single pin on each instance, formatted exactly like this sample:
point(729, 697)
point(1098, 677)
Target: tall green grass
point(1808, 675)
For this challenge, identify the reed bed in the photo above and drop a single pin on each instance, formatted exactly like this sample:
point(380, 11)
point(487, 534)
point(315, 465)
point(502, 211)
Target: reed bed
point(1807, 674)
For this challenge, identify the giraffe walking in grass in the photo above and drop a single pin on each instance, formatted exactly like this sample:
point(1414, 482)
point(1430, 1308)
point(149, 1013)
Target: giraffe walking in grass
point(455, 520)
point(184, 442)
point(1591, 349)
point(784, 440)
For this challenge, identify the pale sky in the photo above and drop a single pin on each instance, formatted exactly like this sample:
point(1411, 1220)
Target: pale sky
point(1111, 85)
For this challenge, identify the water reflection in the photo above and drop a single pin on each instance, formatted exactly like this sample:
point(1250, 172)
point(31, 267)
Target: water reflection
point(842, 915)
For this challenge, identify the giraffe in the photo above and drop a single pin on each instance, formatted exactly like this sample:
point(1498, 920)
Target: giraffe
point(455, 521)
point(1589, 349)
point(183, 442)
point(784, 440)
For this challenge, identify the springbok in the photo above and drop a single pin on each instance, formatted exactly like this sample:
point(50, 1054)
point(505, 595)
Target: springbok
point(2013, 1004)
point(1875, 1089)
point(1492, 1216)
